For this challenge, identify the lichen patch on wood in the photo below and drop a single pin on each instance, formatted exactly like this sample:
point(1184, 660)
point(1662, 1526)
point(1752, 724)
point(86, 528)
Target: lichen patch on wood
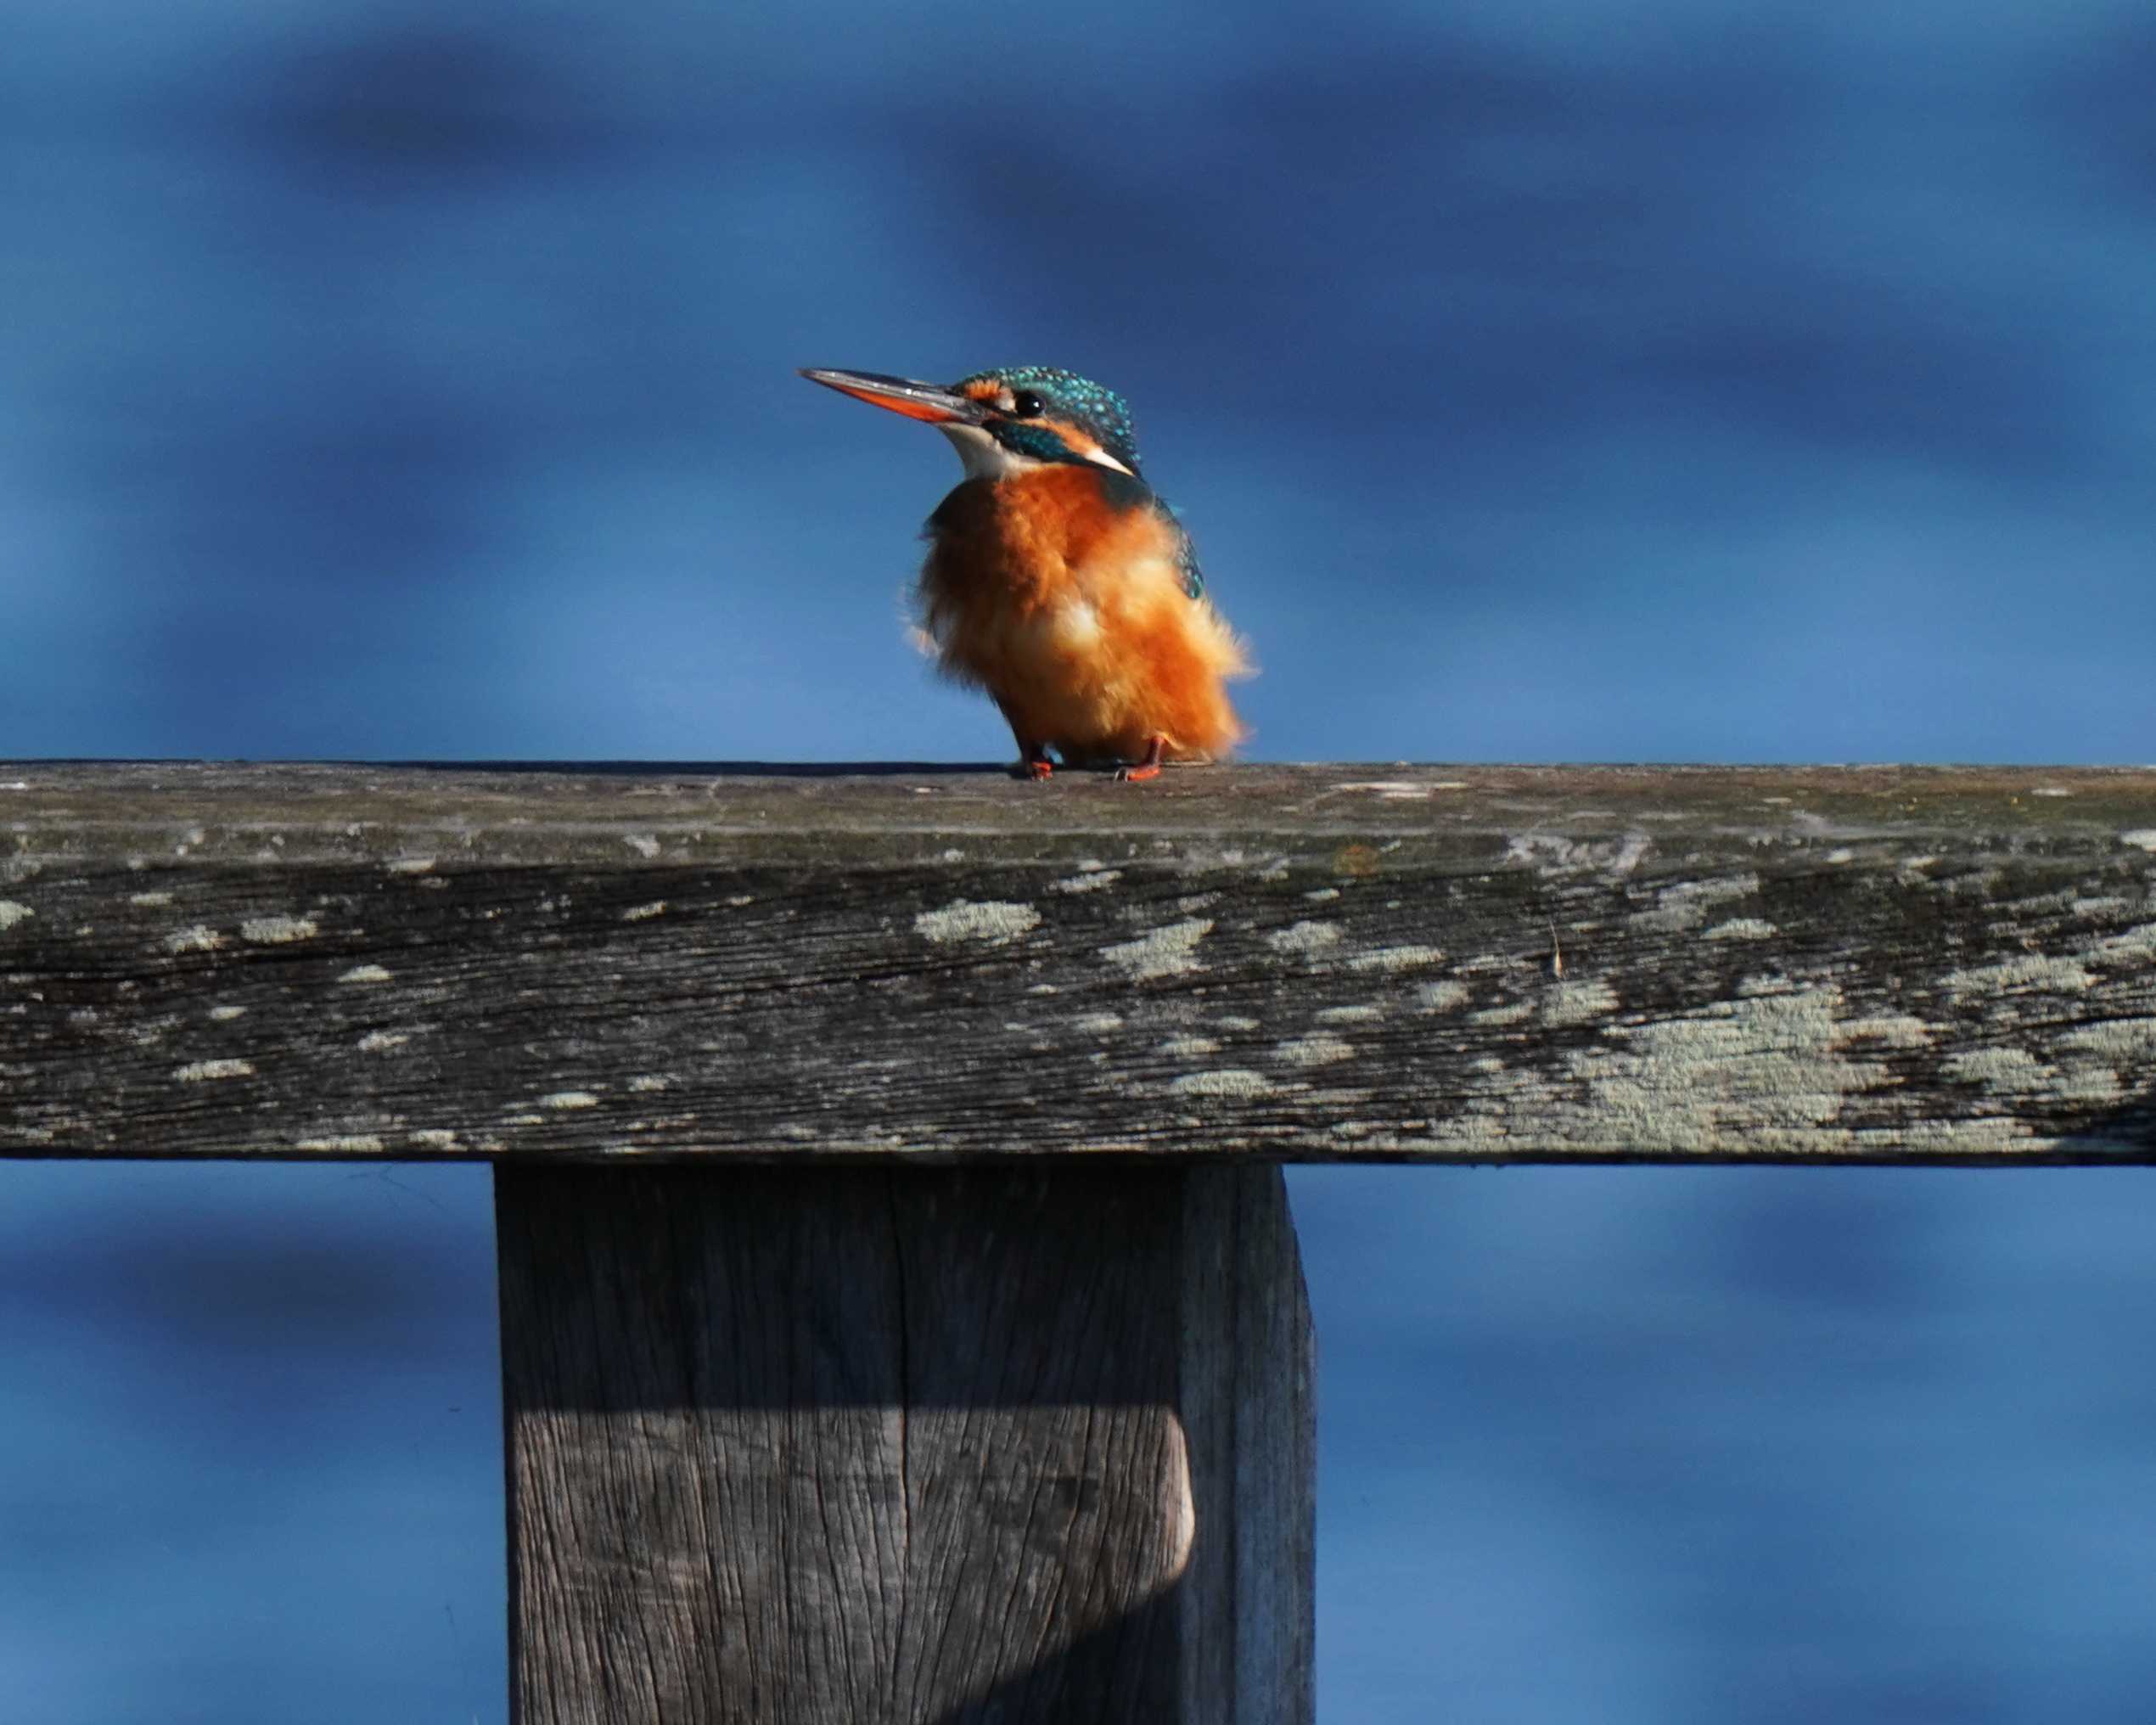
point(278, 931)
point(1741, 929)
point(1442, 997)
point(1092, 876)
point(1165, 951)
point(1578, 1002)
point(1396, 957)
point(201, 1071)
point(991, 921)
point(1306, 939)
point(1350, 1015)
point(1235, 1081)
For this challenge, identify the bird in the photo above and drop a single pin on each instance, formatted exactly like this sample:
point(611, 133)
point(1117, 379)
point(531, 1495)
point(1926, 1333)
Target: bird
point(1059, 581)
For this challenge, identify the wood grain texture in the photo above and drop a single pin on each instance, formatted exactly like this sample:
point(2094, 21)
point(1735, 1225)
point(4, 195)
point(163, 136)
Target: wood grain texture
point(1249, 1405)
point(906, 1445)
point(1882, 963)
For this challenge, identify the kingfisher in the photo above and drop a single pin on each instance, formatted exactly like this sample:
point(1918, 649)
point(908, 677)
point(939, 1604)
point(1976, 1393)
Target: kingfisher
point(1059, 581)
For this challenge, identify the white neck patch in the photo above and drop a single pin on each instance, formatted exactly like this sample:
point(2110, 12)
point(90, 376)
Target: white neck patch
point(983, 456)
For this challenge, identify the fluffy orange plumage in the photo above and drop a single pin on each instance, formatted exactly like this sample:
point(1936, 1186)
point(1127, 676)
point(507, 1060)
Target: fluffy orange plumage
point(1066, 604)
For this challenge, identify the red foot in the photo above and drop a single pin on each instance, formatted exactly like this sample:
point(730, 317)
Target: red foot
point(1147, 768)
point(1034, 764)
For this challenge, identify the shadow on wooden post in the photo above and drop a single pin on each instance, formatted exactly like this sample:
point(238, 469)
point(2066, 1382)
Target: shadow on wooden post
point(905, 1444)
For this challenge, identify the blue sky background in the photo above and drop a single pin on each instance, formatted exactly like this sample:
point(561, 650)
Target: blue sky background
point(1544, 381)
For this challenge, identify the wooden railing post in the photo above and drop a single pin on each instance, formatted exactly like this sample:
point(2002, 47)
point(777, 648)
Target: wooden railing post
point(931, 1344)
point(914, 1445)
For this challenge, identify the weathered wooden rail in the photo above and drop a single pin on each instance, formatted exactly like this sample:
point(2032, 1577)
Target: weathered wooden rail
point(900, 1319)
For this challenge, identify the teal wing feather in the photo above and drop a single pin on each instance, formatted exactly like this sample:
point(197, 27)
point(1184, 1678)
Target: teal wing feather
point(1194, 577)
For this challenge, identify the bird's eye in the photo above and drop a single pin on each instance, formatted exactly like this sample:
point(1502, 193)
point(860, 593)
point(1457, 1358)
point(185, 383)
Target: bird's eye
point(1025, 405)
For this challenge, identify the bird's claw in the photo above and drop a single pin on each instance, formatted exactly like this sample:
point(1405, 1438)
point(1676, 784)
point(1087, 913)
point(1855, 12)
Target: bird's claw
point(1147, 768)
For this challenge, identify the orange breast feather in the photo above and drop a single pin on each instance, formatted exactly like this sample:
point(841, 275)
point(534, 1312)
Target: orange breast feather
point(1070, 611)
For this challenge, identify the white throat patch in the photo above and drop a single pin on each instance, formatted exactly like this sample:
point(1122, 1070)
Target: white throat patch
point(984, 457)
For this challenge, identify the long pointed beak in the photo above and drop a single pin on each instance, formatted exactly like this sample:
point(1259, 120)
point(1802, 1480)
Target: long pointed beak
point(930, 401)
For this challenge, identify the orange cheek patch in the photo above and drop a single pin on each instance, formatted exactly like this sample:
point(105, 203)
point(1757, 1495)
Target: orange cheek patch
point(1076, 440)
